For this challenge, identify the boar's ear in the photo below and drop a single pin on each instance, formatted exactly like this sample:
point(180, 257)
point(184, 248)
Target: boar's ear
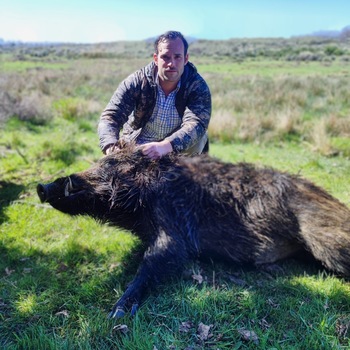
point(121, 144)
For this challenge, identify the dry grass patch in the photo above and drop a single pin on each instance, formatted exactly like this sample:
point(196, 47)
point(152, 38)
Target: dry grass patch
point(319, 138)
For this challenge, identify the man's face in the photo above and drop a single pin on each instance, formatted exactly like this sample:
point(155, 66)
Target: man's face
point(171, 61)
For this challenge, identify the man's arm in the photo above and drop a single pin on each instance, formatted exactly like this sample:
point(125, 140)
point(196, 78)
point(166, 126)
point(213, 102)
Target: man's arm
point(117, 112)
point(196, 118)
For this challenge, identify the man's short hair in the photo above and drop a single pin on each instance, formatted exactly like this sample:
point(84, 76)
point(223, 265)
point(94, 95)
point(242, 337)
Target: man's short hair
point(170, 35)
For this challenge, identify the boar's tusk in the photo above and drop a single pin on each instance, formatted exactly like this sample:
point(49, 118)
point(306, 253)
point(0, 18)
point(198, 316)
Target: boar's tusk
point(68, 187)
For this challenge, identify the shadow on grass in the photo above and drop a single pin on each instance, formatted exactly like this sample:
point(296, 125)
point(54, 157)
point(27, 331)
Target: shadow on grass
point(57, 291)
point(297, 306)
point(9, 192)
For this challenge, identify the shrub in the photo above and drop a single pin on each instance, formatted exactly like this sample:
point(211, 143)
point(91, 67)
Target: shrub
point(69, 108)
point(320, 139)
point(7, 103)
point(33, 108)
point(334, 50)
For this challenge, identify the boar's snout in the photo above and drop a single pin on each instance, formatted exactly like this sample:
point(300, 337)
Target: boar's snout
point(42, 191)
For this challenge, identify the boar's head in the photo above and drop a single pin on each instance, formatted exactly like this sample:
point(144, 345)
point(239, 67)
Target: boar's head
point(114, 190)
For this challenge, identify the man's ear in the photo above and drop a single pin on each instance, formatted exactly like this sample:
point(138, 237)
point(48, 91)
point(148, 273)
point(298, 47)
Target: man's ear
point(155, 59)
point(186, 59)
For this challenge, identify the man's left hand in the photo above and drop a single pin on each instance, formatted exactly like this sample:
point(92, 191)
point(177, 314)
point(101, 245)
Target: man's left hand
point(156, 150)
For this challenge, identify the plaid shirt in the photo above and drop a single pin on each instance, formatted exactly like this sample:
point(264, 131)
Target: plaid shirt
point(164, 120)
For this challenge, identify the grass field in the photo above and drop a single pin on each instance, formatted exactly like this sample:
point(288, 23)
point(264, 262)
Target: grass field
point(60, 275)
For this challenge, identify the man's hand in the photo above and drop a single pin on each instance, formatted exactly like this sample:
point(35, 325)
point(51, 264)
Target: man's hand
point(155, 150)
point(110, 149)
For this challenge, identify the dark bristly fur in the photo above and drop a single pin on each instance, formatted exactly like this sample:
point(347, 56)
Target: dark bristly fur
point(186, 208)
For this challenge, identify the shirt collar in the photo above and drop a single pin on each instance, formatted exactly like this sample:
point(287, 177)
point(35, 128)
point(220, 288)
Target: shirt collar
point(177, 86)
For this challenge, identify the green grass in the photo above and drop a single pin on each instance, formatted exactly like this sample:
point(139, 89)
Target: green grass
point(60, 275)
point(21, 66)
point(271, 68)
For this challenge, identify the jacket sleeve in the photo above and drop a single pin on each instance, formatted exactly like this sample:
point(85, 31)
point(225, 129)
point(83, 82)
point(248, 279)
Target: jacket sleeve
point(117, 111)
point(196, 116)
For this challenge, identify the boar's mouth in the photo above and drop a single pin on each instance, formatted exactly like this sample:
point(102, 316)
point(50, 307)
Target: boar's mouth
point(54, 191)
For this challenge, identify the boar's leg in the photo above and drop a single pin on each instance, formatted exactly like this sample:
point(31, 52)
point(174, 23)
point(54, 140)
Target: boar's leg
point(164, 258)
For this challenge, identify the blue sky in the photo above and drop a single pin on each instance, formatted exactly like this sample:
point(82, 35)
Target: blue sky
point(90, 21)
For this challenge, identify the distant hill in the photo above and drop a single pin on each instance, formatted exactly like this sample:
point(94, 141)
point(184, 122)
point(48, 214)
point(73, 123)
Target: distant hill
point(319, 46)
point(327, 34)
point(345, 32)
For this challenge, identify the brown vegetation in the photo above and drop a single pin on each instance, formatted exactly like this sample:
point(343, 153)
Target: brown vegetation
point(284, 99)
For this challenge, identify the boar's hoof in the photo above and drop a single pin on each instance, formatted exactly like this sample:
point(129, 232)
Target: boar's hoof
point(134, 309)
point(119, 311)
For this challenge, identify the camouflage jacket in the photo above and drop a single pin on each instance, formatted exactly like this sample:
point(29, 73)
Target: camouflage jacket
point(133, 102)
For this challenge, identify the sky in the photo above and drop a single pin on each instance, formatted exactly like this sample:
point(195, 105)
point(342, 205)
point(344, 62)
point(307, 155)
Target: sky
point(92, 21)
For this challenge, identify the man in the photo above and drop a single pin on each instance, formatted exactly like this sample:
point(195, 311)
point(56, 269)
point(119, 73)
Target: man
point(164, 107)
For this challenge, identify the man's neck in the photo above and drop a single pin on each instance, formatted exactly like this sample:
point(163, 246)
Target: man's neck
point(168, 86)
